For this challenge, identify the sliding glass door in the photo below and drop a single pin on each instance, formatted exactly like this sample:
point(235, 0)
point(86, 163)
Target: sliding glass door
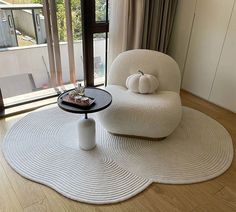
point(95, 25)
point(47, 46)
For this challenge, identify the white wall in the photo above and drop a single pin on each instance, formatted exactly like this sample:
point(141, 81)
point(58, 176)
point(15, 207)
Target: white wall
point(207, 63)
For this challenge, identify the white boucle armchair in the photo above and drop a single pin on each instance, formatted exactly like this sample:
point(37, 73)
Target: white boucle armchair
point(146, 115)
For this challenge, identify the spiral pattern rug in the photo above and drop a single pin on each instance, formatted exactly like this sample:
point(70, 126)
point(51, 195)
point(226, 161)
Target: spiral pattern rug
point(43, 147)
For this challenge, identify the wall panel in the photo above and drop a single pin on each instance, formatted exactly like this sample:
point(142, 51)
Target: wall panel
point(224, 86)
point(206, 43)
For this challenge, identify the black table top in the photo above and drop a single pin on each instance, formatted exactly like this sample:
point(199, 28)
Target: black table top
point(102, 98)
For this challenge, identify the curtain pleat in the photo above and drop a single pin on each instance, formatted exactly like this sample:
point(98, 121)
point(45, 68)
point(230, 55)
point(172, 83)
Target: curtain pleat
point(136, 24)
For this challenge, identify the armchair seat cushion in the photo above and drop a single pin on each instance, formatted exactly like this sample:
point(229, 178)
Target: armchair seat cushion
point(154, 115)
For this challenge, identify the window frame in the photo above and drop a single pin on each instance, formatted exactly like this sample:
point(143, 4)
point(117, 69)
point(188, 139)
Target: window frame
point(89, 28)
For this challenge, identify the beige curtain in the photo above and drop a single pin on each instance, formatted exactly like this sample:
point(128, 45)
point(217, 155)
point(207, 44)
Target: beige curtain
point(136, 24)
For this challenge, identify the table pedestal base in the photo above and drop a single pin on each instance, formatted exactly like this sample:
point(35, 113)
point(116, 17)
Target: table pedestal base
point(86, 128)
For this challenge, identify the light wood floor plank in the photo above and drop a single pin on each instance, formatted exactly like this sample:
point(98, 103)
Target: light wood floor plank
point(8, 198)
point(57, 203)
point(228, 195)
point(39, 207)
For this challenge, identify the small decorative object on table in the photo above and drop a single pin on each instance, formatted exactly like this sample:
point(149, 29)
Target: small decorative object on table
point(80, 89)
point(77, 97)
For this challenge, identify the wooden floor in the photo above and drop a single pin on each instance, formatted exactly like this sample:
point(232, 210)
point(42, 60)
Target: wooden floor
point(19, 194)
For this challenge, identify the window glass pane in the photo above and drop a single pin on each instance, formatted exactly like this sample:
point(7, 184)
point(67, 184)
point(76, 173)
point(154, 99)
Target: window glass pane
point(23, 52)
point(24, 62)
point(99, 43)
point(76, 19)
point(100, 9)
point(77, 37)
point(24, 55)
point(23, 27)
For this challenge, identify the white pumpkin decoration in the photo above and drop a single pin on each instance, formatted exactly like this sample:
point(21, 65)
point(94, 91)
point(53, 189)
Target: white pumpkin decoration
point(142, 83)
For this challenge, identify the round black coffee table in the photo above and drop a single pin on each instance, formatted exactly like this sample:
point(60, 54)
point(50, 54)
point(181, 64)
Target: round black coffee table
point(86, 126)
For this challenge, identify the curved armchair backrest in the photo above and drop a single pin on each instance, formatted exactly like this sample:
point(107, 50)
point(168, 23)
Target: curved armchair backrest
point(150, 62)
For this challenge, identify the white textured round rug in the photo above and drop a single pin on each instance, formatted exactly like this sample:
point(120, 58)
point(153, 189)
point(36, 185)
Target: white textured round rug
point(43, 147)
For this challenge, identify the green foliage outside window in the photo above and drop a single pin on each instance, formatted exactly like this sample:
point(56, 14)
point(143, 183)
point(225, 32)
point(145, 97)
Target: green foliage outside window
point(76, 16)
